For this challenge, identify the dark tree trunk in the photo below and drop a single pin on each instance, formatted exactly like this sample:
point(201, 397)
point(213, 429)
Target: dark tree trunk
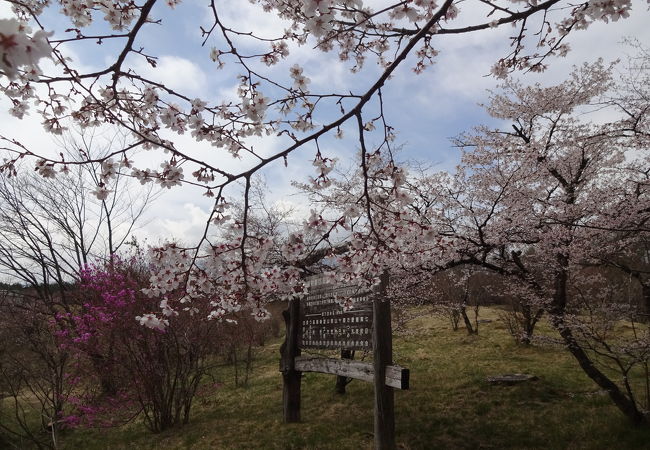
point(471, 329)
point(626, 405)
point(105, 373)
point(528, 323)
point(645, 292)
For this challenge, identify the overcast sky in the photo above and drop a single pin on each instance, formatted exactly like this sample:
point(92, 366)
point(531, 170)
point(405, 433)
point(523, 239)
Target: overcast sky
point(426, 109)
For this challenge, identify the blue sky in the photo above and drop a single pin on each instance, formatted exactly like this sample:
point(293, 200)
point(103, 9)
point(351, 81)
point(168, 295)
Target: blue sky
point(426, 110)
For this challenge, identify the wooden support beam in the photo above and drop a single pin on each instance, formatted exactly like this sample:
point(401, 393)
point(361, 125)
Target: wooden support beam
point(342, 381)
point(290, 375)
point(382, 346)
point(396, 376)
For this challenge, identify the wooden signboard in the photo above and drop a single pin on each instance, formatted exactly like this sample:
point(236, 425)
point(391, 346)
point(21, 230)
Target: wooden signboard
point(335, 317)
point(345, 318)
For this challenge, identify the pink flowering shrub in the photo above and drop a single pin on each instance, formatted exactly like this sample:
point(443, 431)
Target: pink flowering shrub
point(124, 368)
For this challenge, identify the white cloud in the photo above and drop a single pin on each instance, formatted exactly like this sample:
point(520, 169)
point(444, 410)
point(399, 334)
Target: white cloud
point(5, 10)
point(175, 72)
point(174, 220)
point(248, 17)
point(325, 70)
point(459, 75)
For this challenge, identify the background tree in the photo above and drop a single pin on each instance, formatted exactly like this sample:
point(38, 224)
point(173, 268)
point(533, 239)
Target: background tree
point(49, 229)
point(570, 193)
point(457, 290)
point(155, 371)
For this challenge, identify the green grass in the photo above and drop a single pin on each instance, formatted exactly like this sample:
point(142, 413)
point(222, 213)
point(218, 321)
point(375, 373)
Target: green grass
point(450, 405)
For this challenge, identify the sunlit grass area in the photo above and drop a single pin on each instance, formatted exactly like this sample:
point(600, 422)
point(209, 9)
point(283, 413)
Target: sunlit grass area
point(450, 403)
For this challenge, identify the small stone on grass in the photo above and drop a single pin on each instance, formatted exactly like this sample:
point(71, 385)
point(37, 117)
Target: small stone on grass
point(511, 378)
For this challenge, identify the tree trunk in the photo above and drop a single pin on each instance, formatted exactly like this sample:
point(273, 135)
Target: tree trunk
point(105, 373)
point(645, 292)
point(528, 323)
point(454, 316)
point(626, 405)
point(468, 323)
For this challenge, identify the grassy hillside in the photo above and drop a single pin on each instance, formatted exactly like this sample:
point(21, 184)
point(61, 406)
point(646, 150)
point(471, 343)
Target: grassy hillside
point(449, 405)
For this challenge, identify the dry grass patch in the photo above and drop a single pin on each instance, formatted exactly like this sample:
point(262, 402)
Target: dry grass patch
point(450, 404)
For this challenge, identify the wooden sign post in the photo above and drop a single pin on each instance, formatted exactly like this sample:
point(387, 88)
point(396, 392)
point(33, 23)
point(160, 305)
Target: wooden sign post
point(320, 322)
point(382, 348)
point(289, 352)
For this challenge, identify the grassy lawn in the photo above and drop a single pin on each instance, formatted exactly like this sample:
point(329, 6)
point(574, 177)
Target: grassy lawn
point(449, 405)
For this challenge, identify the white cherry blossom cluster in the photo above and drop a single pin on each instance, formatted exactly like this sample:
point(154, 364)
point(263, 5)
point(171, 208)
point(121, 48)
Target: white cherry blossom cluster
point(150, 320)
point(394, 237)
point(255, 107)
point(220, 278)
point(118, 13)
point(170, 175)
point(101, 192)
point(45, 169)
point(20, 52)
point(323, 167)
point(300, 81)
point(295, 248)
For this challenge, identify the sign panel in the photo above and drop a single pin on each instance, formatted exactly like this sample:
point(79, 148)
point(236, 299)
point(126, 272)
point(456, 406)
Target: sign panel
point(335, 317)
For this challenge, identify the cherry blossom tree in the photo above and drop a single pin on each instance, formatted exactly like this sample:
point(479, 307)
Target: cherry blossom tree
point(562, 191)
point(456, 291)
point(391, 34)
